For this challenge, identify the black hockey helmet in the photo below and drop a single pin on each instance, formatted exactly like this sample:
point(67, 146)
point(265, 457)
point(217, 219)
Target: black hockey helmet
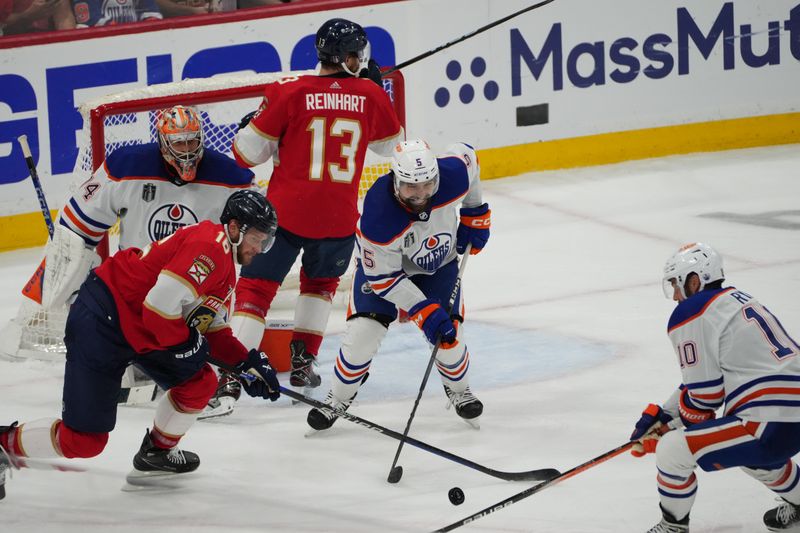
point(337, 38)
point(252, 210)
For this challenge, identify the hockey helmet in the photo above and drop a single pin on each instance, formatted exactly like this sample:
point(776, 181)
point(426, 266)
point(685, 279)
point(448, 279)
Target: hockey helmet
point(697, 258)
point(338, 38)
point(252, 210)
point(180, 137)
point(413, 163)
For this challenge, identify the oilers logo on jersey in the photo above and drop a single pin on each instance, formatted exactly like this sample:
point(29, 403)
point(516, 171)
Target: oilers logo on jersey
point(168, 219)
point(433, 251)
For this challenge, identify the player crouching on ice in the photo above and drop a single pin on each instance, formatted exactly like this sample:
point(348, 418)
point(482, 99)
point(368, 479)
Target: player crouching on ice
point(163, 309)
point(732, 350)
point(409, 238)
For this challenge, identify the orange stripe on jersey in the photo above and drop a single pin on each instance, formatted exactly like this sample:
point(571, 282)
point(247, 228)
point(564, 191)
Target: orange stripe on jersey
point(697, 442)
point(383, 284)
point(79, 224)
point(703, 310)
point(762, 392)
point(715, 396)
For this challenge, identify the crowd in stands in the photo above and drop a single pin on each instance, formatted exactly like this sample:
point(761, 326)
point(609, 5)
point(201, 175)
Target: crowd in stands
point(27, 16)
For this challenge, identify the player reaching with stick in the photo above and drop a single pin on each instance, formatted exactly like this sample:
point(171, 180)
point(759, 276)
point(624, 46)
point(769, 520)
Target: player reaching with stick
point(163, 307)
point(732, 351)
point(410, 236)
point(317, 130)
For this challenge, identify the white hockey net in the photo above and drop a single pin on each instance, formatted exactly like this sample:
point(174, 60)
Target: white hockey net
point(129, 118)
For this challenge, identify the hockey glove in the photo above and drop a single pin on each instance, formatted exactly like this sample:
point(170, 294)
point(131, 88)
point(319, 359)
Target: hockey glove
point(649, 429)
point(266, 384)
point(195, 347)
point(434, 321)
point(245, 120)
point(690, 413)
point(373, 72)
point(474, 228)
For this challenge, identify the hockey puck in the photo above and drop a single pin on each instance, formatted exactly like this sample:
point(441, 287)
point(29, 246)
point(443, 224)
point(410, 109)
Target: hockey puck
point(456, 496)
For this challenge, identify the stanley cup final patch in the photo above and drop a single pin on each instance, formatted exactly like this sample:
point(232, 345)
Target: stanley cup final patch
point(148, 192)
point(199, 270)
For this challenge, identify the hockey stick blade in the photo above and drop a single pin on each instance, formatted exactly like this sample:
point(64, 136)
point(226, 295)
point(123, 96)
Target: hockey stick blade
point(540, 474)
point(540, 487)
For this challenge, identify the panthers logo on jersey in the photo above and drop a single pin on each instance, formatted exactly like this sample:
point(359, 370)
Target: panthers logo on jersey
point(432, 251)
point(168, 219)
point(203, 315)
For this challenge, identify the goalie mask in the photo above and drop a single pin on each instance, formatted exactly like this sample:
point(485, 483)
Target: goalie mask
point(697, 258)
point(416, 174)
point(180, 137)
point(337, 39)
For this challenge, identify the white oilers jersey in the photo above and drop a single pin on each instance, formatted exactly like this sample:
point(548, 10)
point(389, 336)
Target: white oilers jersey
point(394, 243)
point(134, 185)
point(734, 350)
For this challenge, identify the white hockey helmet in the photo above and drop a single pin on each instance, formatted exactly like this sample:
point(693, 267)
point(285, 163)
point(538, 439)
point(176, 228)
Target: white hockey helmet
point(413, 162)
point(697, 258)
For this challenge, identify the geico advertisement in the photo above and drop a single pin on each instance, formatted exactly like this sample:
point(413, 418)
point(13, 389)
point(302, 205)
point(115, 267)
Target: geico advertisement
point(568, 69)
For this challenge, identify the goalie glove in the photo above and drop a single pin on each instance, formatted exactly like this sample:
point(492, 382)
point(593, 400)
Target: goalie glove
point(67, 263)
point(649, 429)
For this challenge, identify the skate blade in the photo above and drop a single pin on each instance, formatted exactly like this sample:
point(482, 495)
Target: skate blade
point(138, 481)
point(225, 408)
point(474, 423)
point(305, 391)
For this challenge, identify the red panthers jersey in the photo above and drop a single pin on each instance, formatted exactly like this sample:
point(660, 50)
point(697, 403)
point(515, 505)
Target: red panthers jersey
point(184, 280)
point(318, 129)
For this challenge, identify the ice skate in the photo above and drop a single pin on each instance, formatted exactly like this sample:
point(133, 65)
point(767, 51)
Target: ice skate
point(468, 407)
point(222, 403)
point(785, 517)
point(670, 524)
point(154, 466)
point(304, 377)
point(322, 419)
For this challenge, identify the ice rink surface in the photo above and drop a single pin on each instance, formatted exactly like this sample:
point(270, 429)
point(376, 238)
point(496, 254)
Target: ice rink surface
point(566, 325)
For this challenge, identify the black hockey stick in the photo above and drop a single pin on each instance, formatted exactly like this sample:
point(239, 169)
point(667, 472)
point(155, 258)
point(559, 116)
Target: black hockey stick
point(465, 37)
point(26, 152)
point(396, 472)
point(541, 486)
point(530, 475)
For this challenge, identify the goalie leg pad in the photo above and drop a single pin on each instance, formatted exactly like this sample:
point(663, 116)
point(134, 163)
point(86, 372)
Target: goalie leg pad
point(67, 262)
point(361, 342)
